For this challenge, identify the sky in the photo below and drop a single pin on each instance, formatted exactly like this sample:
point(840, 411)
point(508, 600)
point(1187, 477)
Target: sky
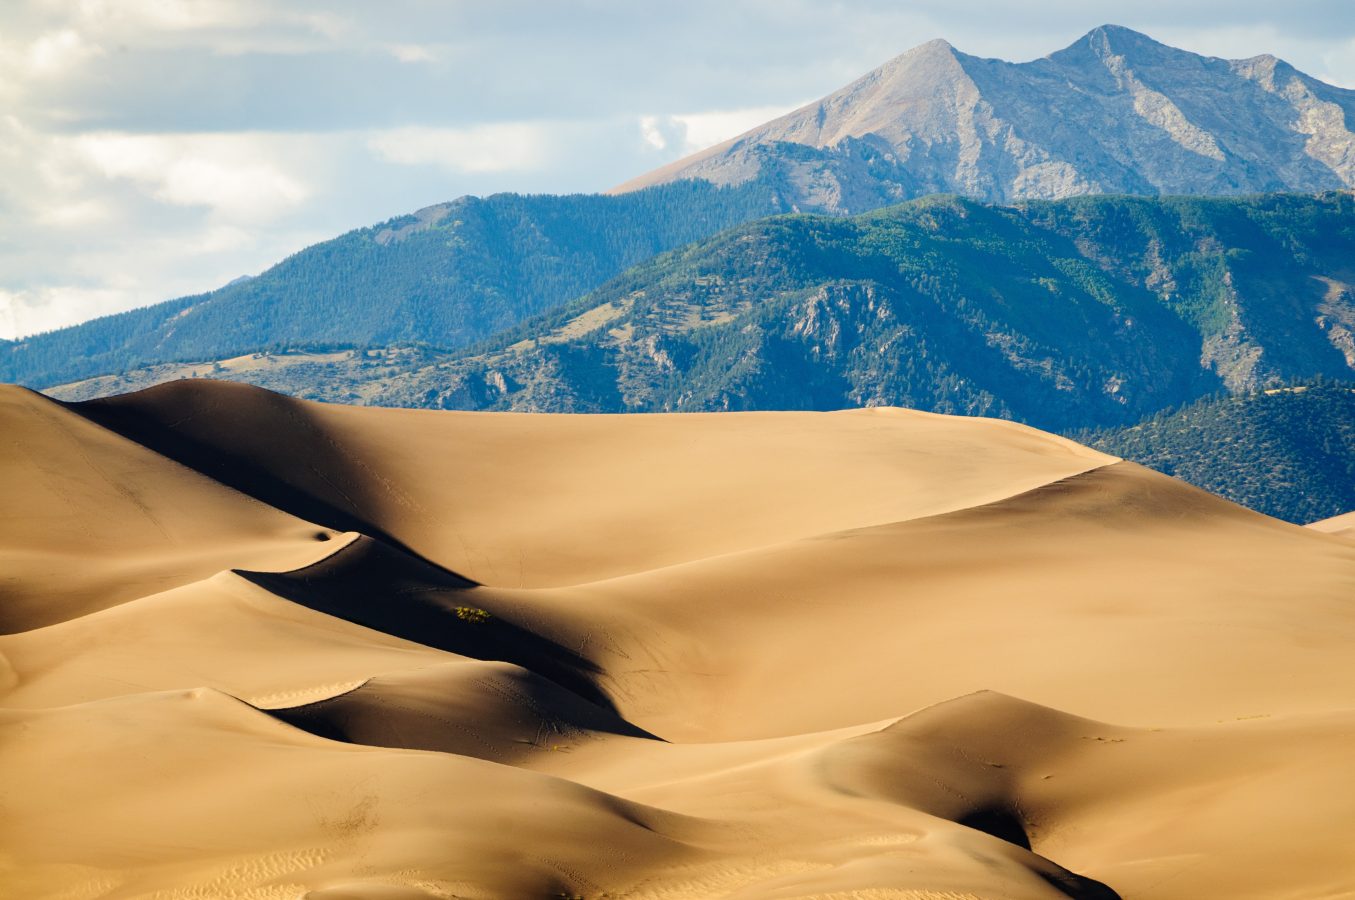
point(151, 149)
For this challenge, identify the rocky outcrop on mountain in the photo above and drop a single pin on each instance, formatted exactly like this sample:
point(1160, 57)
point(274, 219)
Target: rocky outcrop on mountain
point(1116, 112)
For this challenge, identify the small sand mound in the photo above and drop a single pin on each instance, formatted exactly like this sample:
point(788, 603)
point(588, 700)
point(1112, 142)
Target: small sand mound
point(490, 710)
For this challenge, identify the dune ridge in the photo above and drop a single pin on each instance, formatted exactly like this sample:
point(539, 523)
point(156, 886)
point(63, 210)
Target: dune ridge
point(261, 648)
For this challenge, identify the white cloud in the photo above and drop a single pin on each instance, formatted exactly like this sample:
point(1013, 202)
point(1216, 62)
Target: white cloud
point(222, 27)
point(412, 53)
point(706, 129)
point(54, 53)
point(31, 311)
point(685, 133)
point(227, 173)
point(249, 191)
point(95, 224)
point(166, 15)
point(499, 147)
point(77, 213)
point(1339, 65)
point(658, 131)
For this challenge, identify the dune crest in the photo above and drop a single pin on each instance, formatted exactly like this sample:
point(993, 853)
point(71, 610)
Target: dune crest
point(275, 649)
point(550, 500)
point(1341, 526)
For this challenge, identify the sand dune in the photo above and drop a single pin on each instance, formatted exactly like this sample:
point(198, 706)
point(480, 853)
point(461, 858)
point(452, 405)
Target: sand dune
point(224, 633)
point(490, 710)
point(534, 501)
point(1118, 594)
point(785, 655)
point(1341, 526)
point(93, 519)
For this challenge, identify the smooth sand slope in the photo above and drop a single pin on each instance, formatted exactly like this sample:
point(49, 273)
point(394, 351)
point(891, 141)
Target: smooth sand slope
point(1341, 526)
point(261, 648)
point(91, 519)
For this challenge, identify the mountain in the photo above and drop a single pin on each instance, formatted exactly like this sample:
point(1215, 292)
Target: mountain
point(1094, 311)
point(1116, 112)
point(444, 277)
point(1287, 452)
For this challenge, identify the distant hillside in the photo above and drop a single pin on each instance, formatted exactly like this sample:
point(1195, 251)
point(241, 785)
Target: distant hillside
point(1080, 313)
point(368, 376)
point(1088, 312)
point(1116, 112)
point(443, 277)
point(1287, 452)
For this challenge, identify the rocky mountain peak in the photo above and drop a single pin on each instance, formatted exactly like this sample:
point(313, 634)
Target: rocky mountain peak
point(934, 47)
point(1117, 46)
point(1119, 39)
point(1115, 112)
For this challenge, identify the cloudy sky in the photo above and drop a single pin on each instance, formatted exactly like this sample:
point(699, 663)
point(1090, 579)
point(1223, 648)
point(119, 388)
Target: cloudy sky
point(155, 148)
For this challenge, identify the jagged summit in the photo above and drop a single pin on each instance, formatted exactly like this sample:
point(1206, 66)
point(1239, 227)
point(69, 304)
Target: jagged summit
point(1107, 44)
point(935, 45)
point(1120, 37)
point(1114, 112)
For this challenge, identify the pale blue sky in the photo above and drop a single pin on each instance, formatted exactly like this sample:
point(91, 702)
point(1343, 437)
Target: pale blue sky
point(152, 148)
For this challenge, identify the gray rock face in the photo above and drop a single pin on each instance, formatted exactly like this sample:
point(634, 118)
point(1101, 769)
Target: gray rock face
point(1117, 112)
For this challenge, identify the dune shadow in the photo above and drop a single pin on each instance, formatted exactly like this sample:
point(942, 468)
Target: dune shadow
point(1004, 823)
point(1001, 822)
point(373, 584)
point(1079, 887)
point(956, 760)
point(486, 710)
point(264, 445)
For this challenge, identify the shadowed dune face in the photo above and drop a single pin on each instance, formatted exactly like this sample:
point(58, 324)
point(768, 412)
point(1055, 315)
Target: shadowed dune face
point(378, 586)
point(266, 445)
point(492, 710)
point(745, 656)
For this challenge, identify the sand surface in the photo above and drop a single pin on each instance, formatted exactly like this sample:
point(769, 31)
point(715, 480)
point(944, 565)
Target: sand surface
point(254, 647)
point(1342, 525)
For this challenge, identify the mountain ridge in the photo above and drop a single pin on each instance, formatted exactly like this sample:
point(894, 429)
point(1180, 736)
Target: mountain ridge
point(415, 293)
point(1078, 313)
point(1114, 112)
point(1054, 313)
point(444, 276)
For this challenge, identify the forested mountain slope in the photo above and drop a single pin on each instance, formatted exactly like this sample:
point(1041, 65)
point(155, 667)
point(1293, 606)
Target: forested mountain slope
point(443, 277)
point(1087, 312)
point(1287, 452)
